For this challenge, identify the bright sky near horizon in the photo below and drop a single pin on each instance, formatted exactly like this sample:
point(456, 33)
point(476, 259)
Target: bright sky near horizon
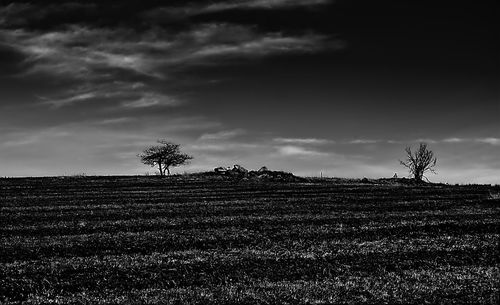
point(307, 86)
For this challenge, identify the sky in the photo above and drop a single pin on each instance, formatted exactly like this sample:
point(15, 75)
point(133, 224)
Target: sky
point(313, 87)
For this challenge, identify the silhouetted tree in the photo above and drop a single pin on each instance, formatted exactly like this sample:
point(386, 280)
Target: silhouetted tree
point(419, 162)
point(164, 156)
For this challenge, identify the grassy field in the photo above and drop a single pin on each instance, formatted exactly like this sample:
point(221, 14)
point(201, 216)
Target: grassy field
point(145, 240)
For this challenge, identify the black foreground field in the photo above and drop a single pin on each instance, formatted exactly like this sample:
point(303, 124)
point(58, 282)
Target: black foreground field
point(145, 240)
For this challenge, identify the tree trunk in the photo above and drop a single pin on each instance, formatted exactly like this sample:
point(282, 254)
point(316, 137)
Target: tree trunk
point(168, 170)
point(161, 169)
point(418, 176)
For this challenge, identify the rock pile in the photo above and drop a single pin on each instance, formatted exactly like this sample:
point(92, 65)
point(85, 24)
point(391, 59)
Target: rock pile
point(263, 174)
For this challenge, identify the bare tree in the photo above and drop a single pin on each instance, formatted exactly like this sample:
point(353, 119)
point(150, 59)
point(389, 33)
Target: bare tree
point(164, 156)
point(419, 162)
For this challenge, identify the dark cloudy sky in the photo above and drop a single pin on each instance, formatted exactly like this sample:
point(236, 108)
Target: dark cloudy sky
point(308, 86)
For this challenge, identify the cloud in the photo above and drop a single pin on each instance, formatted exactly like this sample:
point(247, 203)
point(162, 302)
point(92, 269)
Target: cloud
point(183, 124)
point(261, 46)
point(151, 100)
point(221, 135)
point(106, 63)
point(224, 147)
point(453, 140)
point(364, 141)
point(129, 93)
point(84, 52)
point(112, 121)
point(198, 9)
point(69, 100)
point(20, 142)
point(491, 141)
point(205, 43)
point(22, 138)
point(312, 141)
point(292, 150)
point(8, 11)
point(426, 140)
point(18, 14)
point(261, 4)
point(388, 141)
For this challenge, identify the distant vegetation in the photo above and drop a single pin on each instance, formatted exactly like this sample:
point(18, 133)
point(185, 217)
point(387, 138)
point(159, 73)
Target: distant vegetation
point(168, 154)
point(164, 156)
point(419, 162)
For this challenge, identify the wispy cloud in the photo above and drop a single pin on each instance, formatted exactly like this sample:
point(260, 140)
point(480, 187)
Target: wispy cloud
point(312, 141)
point(298, 151)
point(86, 52)
point(261, 46)
point(129, 94)
point(262, 4)
point(112, 121)
point(425, 140)
point(20, 13)
point(20, 142)
point(221, 135)
point(191, 9)
point(491, 141)
point(451, 140)
point(82, 52)
point(223, 147)
point(69, 100)
point(103, 60)
point(11, 13)
point(22, 138)
point(364, 141)
point(152, 100)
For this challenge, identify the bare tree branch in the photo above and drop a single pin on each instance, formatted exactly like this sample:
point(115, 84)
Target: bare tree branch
point(419, 162)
